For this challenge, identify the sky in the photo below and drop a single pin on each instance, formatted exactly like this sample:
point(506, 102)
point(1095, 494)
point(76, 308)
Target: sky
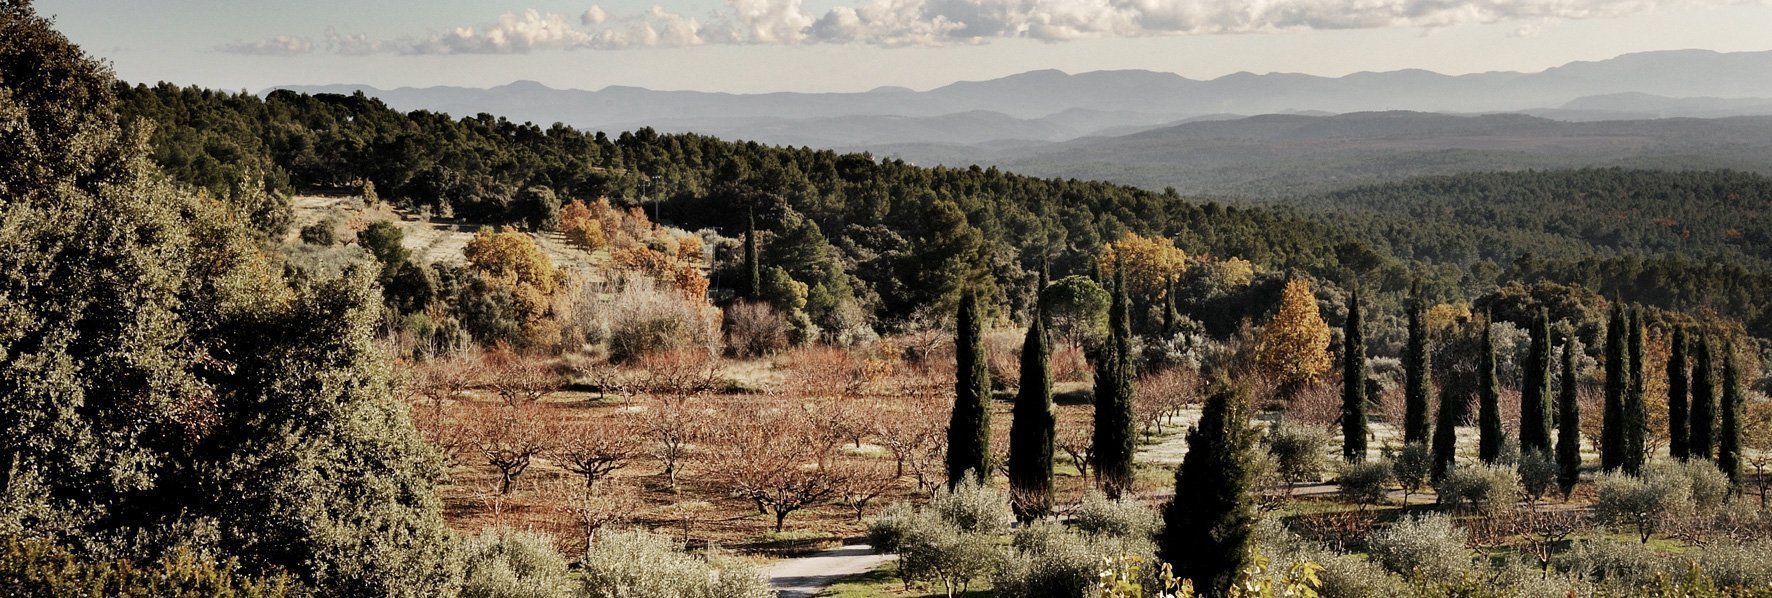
point(753, 46)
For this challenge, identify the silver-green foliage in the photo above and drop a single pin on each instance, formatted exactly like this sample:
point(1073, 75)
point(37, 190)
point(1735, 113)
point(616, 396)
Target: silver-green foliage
point(1485, 488)
point(641, 564)
point(1426, 546)
point(506, 563)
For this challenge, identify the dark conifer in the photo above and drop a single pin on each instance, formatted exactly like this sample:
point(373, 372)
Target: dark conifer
point(1416, 384)
point(1031, 432)
point(1678, 392)
point(1636, 417)
point(1729, 428)
point(1353, 383)
point(969, 429)
point(1208, 527)
point(1702, 423)
point(753, 272)
point(1114, 380)
point(1490, 436)
point(1569, 423)
point(1535, 397)
point(1617, 385)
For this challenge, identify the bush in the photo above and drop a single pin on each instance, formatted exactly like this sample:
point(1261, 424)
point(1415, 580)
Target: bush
point(1738, 565)
point(637, 564)
point(505, 563)
point(1622, 564)
point(972, 507)
point(1421, 547)
point(949, 556)
point(1706, 484)
point(1485, 488)
point(1538, 473)
point(1098, 516)
point(1298, 452)
point(1349, 576)
point(1642, 502)
point(1051, 561)
point(38, 569)
point(323, 233)
point(1365, 482)
point(755, 329)
point(1411, 468)
point(644, 318)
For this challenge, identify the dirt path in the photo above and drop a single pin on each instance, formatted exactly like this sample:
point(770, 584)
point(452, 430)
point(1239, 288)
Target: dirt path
point(805, 577)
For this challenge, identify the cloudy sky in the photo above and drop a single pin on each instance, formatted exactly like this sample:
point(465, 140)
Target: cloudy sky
point(853, 45)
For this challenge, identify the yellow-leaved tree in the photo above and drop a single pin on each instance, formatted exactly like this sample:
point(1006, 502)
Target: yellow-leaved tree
point(512, 260)
point(1294, 345)
point(1151, 263)
point(582, 226)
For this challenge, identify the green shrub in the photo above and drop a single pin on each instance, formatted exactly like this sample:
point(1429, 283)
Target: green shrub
point(1485, 488)
point(974, 508)
point(1050, 561)
point(1411, 467)
point(1742, 565)
point(948, 556)
point(1428, 546)
point(1349, 576)
point(1642, 502)
point(640, 564)
point(323, 233)
point(1706, 484)
point(1603, 560)
point(1365, 482)
point(1099, 516)
point(1538, 473)
point(1298, 452)
point(505, 563)
point(39, 569)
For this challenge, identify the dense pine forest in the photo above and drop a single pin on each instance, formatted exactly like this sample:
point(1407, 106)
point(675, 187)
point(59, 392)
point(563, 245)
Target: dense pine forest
point(307, 345)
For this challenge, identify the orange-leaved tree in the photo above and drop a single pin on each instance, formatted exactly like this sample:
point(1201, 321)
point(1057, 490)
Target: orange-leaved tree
point(1294, 344)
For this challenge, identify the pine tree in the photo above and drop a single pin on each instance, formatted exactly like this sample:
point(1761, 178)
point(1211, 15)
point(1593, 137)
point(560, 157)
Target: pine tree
point(1678, 391)
point(969, 430)
point(1453, 408)
point(753, 271)
point(1535, 402)
point(1702, 423)
point(1636, 417)
point(1114, 380)
point(1617, 385)
point(1490, 436)
point(1416, 384)
point(1031, 433)
point(1729, 428)
point(1569, 423)
point(1209, 525)
point(1353, 384)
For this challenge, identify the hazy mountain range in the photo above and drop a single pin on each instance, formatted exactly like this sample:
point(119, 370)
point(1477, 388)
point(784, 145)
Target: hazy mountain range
point(1162, 129)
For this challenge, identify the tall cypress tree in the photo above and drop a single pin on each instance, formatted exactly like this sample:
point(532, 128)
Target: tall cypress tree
point(753, 271)
point(1636, 417)
point(1031, 433)
point(1171, 316)
point(1416, 384)
point(1353, 383)
point(1453, 407)
point(1617, 384)
point(1704, 401)
point(1568, 423)
point(1209, 526)
point(1489, 433)
point(1114, 379)
point(1535, 412)
point(1678, 391)
point(1729, 428)
point(969, 429)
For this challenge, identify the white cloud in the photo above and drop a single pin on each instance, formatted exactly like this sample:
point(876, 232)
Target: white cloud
point(899, 23)
point(282, 45)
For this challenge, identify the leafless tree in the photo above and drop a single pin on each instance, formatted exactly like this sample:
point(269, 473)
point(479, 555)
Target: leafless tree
point(509, 437)
point(1077, 440)
point(772, 457)
point(520, 378)
point(862, 480)
point(594, 448)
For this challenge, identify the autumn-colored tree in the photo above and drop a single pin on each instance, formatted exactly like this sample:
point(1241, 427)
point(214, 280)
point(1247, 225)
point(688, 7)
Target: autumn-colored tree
point(512, 260)
point(1294, 345)
point(582, 227)
point(1151, 263)
point(684, 276)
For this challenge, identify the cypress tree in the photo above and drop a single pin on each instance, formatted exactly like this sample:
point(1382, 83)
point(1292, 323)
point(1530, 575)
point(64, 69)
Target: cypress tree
point(752, 270)
point(1702, 422)
point(1171, 317)
point(1209, 526)
point(1353, 384)
point(1113, 434)
point(1031, 432)
point(1535, 412)
point(1416, 385)
point(1489, 432)
point(969, 429)
point(1678, 389)
point(1729, 429)
point(1617, 383)
point(1445, 440)
point(1636, 418)
point(1568, 423)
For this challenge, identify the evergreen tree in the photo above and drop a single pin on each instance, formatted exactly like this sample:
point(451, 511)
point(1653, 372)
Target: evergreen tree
point(753, 270)
point(1569, 422)
point(1209, 525)
point(1535, 402)
point(1445, 440)
point(1032, 430)
point(1416, 384)
point(1729, 428)
point(1678, 391)
point(1353, 384)
point(1490, 436)
point(1114, 379)
point(969, 429)
point(1617, 385)
point(1702, 424)
point(1171, 317)
point(1636, 416)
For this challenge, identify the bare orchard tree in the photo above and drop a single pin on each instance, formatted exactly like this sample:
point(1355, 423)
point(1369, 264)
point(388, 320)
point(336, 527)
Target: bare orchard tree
point(773, 457)
point(509, 437)
point(675, 418)
point(518, 378)
point(596, 447)
point(914, 430)
point(431, 386)
point(1162, 395)
point(1077, 439)
point(590, 511)
point(862, 480)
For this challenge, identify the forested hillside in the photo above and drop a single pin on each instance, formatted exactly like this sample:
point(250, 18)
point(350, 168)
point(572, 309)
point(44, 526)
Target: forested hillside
point(890, 237)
